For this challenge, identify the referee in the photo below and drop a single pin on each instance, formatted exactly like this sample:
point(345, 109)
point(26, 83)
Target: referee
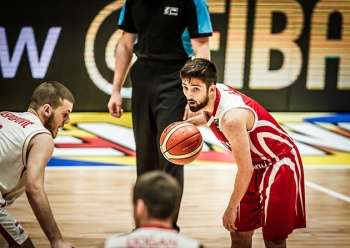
point(163, 34)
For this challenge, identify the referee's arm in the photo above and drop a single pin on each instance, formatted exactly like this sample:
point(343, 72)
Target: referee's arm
point(201, 47)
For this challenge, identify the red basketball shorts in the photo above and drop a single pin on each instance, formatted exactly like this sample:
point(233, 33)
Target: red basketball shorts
point(275, 200)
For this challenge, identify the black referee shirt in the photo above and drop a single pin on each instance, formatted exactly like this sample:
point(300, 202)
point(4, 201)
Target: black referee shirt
point(165, 27)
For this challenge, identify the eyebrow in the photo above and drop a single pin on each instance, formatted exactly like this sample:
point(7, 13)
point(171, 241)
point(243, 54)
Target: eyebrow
point(191, 84)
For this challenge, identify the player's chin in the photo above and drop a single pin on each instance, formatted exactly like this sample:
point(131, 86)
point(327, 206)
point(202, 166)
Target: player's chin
point(193, 108)
point(54, 133)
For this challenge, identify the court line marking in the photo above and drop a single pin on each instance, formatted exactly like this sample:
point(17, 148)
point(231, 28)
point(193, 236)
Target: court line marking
point(327, 191)
point(213, 167)
point(187, 167)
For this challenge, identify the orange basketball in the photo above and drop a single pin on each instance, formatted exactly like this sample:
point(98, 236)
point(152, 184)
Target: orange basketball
point(181, 142)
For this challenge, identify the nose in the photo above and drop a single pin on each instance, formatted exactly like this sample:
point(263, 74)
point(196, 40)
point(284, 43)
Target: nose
point(67, 121)
point(188, 95)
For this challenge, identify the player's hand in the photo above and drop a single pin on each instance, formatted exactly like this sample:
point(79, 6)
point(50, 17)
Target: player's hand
point(188, 113)
point(115, 105)
point(229, 219)
point(62, 244)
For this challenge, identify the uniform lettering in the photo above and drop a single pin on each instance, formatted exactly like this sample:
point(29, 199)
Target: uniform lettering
point(23, 122)
point(150, 241)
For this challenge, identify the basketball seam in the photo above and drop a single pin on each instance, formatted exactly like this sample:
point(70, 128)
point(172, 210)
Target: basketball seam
point(166, 138)
point(194, 152)
point(182, 142)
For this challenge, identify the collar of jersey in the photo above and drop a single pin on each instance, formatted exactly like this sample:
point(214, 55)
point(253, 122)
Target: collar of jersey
point(158, 226)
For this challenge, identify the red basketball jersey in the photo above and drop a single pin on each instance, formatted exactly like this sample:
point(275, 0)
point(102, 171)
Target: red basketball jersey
point(275, 197)
point(268, 141)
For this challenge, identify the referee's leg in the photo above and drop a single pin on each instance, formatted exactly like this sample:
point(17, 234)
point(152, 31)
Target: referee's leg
point(144, 126)
point(168, 107)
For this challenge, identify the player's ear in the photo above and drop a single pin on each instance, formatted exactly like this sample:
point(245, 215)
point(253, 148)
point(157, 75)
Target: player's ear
point(212, 88)
point(47, 109)
point(140, 207)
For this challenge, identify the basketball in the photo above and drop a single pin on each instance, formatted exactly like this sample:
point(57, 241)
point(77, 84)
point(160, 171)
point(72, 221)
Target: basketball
point(181, 142)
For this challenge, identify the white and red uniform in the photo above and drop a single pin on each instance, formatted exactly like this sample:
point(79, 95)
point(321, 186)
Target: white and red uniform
point(275, 198)
point(16, 131)
point(151, 236)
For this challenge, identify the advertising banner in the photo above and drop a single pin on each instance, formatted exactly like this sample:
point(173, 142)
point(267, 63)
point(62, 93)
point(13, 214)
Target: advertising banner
point(289, 55)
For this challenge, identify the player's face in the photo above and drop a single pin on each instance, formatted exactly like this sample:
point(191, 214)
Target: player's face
point(58, 118)
point(196, 93)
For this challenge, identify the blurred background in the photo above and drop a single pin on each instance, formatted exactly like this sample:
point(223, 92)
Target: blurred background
point(288, 55)
point(291, 56)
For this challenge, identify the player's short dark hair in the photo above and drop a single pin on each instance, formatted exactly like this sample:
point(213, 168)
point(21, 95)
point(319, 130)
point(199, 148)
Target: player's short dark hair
point(160, 192)
point(52, 93)
point(199, 68)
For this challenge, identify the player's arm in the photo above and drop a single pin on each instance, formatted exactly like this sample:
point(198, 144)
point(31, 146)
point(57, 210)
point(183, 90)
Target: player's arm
point(201, 47)
point(197, 120)
point(234, 125)
point(40, 150)
point(124, 54)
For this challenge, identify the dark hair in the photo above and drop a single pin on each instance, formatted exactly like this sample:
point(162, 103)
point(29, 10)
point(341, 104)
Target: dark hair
point(52, 93)
point(201, 69)
point(160, 192)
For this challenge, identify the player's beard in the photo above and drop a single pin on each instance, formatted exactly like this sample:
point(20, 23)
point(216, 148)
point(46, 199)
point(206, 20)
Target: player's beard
point(49, 125)
point(199, 105)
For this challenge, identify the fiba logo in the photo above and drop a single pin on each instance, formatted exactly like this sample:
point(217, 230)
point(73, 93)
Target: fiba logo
point(93, 49)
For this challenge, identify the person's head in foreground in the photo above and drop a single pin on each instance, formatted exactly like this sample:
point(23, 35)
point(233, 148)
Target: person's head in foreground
point(156, 197)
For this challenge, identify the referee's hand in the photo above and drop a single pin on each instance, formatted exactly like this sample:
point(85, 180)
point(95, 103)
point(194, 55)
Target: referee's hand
point(115, 105)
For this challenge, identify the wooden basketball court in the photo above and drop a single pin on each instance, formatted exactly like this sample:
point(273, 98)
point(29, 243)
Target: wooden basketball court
point(90, 177)
point(90, 204)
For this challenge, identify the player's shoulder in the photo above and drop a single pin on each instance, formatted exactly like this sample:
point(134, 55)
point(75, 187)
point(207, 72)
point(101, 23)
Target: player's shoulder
point(185, 241)
point(117, 240)
point(227, 93)
point(221, 86)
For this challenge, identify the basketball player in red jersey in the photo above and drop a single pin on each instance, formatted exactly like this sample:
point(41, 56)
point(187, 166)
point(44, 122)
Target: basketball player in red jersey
point(26, 146)
point(269, 186)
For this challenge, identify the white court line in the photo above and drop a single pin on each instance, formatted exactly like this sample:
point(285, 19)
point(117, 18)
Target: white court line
point(327, 191)
point(187, 167)
point(198, 167)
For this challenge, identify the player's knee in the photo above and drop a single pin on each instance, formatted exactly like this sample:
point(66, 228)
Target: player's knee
point(241, 239)
point(276, 244)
